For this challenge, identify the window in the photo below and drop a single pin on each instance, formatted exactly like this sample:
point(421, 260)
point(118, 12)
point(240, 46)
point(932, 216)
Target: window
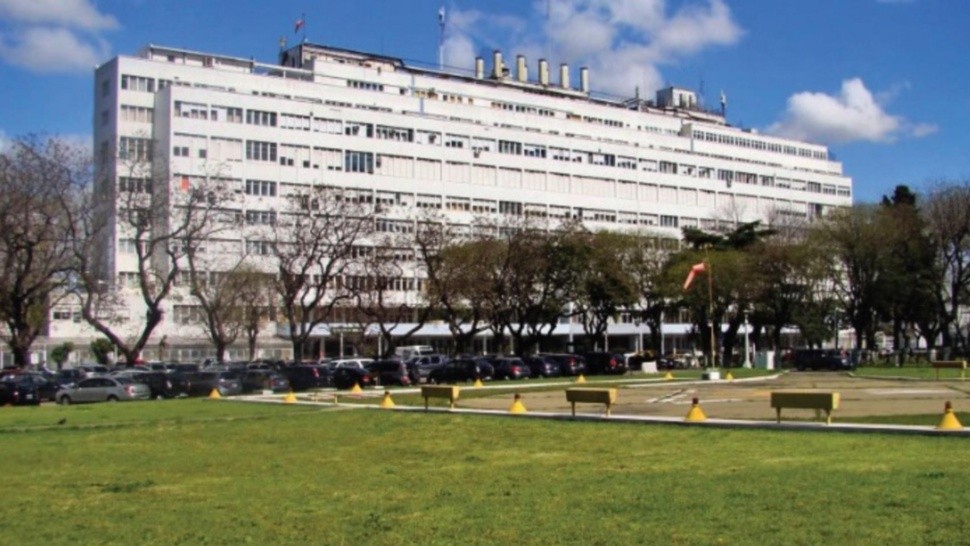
point(137, 83)
point(260, 151)
point(134, 185)
point(259, 248)
point(180, 151)
point(359, 162)
point(668, 221)
point(509, 147)
point(137, 114)
point(135, 149)
point(263, 188)
point(105, 88)
point(261, 217)
point(260, 117)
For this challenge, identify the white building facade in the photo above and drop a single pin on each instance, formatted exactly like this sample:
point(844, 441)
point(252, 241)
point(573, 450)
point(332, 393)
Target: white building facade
point(486, 142)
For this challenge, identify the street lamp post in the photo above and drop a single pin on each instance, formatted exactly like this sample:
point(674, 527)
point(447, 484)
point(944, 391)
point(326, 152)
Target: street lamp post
point(747, 344)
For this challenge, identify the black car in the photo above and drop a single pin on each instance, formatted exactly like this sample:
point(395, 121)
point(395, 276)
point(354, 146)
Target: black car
point(256, 380)
point(821, 359)
point(605, 363)
point(308, 376)
point(569, 364)
point(511, 368)
point(542, 366)
point(346, 378)
point(162, 385)
point(390, 372)
point(203, 383)
point(47, 385)
point(19, 392)
point(461, 369)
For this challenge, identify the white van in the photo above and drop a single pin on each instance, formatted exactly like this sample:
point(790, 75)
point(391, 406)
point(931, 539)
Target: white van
point(408, 351)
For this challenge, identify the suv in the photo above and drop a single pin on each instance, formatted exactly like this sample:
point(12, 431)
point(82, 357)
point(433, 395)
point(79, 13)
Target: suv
point(605, 363)
point(569, 364)
point(308, 376)
point(511, 368)
point(389, 372)
point(822, 359)
point(462, 369)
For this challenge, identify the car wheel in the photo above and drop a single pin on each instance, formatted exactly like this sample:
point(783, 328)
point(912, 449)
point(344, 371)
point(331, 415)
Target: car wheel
point(65, 400)
point(112, 398)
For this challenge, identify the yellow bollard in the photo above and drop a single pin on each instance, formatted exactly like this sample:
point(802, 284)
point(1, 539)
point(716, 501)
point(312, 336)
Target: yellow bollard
point(696, 414)
point(949, 420)
point(478, 383)
point(215, 394)
point(356, 389)
point(729, 377)
point(517, 406)
point(290, 398)
point(581, 379)
point(668, 376)
point(386, 402)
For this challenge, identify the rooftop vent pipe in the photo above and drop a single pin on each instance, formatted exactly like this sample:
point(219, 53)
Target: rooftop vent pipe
point(521, 71)
point(479, 67)
point(564, 75)
point(584, 79)
point(497, 67)
point(544, 72)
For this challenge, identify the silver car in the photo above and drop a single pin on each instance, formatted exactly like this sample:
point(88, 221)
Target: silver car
point(103, 389)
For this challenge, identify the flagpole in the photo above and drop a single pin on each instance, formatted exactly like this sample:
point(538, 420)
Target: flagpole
point(303, 18)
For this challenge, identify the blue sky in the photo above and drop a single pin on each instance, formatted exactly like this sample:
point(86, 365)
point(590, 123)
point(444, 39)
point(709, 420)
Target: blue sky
point(885, 83)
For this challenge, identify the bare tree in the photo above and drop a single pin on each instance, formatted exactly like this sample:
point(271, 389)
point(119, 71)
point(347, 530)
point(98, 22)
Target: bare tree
point(161, 219)
point(39, 180)
point(389, 278)
point(314, 244)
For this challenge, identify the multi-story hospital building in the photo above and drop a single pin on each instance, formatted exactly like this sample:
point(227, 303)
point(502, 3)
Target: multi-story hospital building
point(498, 139)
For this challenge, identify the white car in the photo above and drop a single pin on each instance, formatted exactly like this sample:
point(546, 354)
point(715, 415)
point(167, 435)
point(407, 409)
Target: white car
point(360, 363)
point(103, 389)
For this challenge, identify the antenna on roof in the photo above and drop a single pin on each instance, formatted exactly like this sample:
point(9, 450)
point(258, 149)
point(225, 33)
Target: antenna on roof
point(441, 38)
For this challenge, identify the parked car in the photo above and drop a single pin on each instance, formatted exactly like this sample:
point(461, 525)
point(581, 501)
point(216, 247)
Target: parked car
point(511, 368)
point(103, 389)
point(419, 367)
point(17, 392)
point(822, 359)
point(460, 369)
point(47, 385)
point(255, 380)
point(308, 376)
point(605, 363)
point(162, 385)
point(203, 383)
point(569, 364)
point(91, 370)
point(390, 372)
point(346, 378)
point(350, 363)
point(542, 366)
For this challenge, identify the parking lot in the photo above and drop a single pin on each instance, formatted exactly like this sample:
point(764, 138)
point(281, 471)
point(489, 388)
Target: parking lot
point(749, 399)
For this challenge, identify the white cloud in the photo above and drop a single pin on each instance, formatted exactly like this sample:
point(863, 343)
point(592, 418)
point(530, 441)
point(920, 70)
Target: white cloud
point(79, 14)
point(46, 50)
point(852, 115)
point(49, 36)
point(623, 42)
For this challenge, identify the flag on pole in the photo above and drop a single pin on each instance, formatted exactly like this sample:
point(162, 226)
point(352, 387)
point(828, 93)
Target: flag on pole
point(694, 270)
point(299, 24)
point(441, 15)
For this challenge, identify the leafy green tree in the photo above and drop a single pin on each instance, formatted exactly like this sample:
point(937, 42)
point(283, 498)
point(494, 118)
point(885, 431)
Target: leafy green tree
point(102, 348)
point(60, 353)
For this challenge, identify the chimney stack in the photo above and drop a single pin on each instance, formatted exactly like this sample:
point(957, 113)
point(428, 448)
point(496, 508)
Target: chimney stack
point(497, 64)
point(479, 68)
point(521, 70)
point(584, 79)
point(564, 75)
point(544, 72)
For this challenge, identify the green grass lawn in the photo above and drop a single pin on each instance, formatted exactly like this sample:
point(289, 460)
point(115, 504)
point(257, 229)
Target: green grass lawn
point(923, 372)
point(202, 472)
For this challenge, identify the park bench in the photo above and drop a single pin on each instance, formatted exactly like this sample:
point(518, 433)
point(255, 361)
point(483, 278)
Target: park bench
point(591, 396)
point(816, 400)
point(449, 392)
point(951, 365)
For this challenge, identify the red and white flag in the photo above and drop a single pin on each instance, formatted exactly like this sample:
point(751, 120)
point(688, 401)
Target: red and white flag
point(694, 270)
point(298, 24)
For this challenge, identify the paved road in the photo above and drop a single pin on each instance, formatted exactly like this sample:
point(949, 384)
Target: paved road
point(750, 399)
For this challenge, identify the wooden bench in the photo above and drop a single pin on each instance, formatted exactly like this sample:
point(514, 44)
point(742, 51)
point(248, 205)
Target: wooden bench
point(592, 396)
point(816, 400)
point(449, 392)
point(951, 365)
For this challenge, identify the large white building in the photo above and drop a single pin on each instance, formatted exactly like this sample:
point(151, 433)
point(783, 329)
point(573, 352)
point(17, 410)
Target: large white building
point(495, 140)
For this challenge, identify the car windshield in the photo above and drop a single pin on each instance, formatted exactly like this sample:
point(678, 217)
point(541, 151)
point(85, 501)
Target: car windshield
point(123, 380)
